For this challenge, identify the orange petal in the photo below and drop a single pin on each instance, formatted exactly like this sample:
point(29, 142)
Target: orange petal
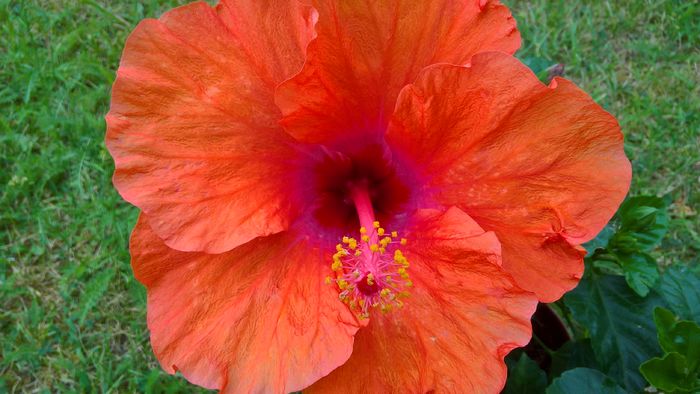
point(193, 126)
point(538, 165)
point(366, 51)
point(463, 316)
point(256, 319)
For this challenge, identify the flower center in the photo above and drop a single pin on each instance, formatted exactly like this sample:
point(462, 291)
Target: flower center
point(371, 272)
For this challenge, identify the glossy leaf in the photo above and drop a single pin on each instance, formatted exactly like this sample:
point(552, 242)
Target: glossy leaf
point(682, 337)
point(584, 380)
point(680, 288)
point(641, 272)
point(645, 219)
point(620, 325)
point(600, 242)
point(573, 354)
point(524, 376)
point(671, 374)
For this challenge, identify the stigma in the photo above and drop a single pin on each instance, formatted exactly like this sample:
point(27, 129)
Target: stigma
point(371, 272)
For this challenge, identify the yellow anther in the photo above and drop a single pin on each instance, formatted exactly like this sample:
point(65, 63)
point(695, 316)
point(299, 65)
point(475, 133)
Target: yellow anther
point(339, 248)
point(374, 248)
point(353, 304)
point(352, 243)
point(342, 284)
point(382, 249)
point(328, 280)
point(403, 294)
point(386, 308)
point(385, 292)
point(356, 274)
point(363, 230)
point(380, 231)
point(365, 238)
point(404, 241)
point(408, 283)
point(394, 234)
point(385, 241)
point(346, 239)
point(370, 279)
point(362, 303)
point(399, 304)
point(336, 266)
point(375, 224)
point(358, 252)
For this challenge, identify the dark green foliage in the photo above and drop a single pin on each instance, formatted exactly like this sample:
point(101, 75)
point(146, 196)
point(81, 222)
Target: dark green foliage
point(679, 369)
point(524, 376)
point(572, 355)
point(623, 247)
point(619, 324)
point(680, 288)
point(584, 381)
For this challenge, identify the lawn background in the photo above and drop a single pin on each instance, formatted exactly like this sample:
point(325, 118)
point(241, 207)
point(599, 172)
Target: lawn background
point(72, 318)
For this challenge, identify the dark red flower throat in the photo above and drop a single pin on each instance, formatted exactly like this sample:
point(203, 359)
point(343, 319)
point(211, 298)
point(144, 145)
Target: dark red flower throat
point(372, 167)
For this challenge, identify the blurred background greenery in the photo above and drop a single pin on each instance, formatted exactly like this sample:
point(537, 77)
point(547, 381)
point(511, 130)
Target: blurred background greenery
point(72, 317)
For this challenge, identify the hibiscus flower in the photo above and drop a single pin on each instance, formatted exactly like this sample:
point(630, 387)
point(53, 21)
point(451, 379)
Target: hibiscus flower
point(352, 196)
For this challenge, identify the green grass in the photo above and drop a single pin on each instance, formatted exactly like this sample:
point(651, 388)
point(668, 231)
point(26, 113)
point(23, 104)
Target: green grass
point(72, 318)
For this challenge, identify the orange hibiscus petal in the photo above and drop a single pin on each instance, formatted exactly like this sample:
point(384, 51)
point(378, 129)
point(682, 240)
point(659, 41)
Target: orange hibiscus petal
point(193, 127)
point(463, 316)
point(366, 51)
point(543, 167)
point(256, 319)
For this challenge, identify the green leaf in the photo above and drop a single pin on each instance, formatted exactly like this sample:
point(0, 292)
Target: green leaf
point(682, 337)
point(600, 242)
point(670, 373)
point(621, 249)
point(619, 322)
point(643, 218)
point(573, 354)
point(524, 376)
point(680, 288)
point(641, 272)
point(584, 380)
